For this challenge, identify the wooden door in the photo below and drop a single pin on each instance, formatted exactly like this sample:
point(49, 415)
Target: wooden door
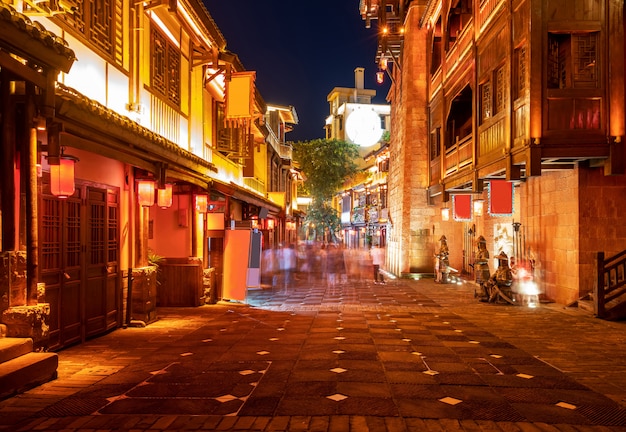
point(61, 269)
point(101, 265)
point(79, 263)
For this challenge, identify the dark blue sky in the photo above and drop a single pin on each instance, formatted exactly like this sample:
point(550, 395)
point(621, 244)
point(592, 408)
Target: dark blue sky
point(300, 50)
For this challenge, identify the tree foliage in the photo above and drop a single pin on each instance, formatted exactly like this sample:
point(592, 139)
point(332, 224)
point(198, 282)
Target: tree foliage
point(326, 165)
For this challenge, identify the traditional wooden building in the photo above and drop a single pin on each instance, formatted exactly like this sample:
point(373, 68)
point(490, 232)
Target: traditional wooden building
point(517, 104)
point(130, 135)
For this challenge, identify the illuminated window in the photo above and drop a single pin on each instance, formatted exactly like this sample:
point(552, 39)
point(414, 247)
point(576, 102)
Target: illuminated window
point(573, 60)
point(165, 67)
point(485, 101)
point(99, 23)
point(500, 89)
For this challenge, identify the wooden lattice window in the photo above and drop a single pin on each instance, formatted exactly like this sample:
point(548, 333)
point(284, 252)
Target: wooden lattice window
point(573, 60)
point(519, 71)
point(99, 22)
point(73, 244)
point(435, 143)
point(500, 90)
point(113, 230)
point(51, 234)
point(165, 66)
point(231, 141)
point(485, 101)
point(97, 233)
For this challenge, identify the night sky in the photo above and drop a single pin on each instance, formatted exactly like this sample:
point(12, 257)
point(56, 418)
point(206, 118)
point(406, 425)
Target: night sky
point(300, 51)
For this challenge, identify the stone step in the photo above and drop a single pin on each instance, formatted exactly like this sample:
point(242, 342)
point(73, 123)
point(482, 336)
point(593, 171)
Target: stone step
point(586, 305)
point(27, 371)
point(11, 348)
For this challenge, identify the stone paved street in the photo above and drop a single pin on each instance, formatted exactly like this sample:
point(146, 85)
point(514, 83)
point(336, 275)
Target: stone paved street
point(405, 356)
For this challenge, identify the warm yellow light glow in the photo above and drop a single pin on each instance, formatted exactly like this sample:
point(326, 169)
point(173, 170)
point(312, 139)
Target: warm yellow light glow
point(270, 224)
point(380, 77)
point(202, 203)
point(383, 63)
point(164, 196)
point(478, 207)
point(445, 214)
point(145, 192)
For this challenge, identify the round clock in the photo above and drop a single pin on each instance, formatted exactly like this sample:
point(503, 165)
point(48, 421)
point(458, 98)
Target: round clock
point(363, 127)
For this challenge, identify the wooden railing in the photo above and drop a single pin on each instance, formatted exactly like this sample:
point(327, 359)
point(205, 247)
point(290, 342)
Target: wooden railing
point(610, 293)
point(459, 155)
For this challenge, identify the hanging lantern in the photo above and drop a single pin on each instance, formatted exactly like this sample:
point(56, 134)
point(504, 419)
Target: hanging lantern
point(164, 196)
point(145, 192)
point(62, 176)
point(380, 77)
point(202, 203)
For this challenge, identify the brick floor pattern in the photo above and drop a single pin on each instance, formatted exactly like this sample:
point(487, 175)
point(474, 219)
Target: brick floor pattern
point(405, 356)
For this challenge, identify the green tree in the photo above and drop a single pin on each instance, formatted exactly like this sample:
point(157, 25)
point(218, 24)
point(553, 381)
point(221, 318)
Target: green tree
point(326, 165)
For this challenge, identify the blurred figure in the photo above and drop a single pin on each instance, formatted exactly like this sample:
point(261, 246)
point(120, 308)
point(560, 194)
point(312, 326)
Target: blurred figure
point(287, 263)
point(269, 267)
point(378, 259)
point(335, 265)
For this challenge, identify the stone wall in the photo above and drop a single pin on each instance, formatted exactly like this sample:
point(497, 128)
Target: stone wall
point(410, 248)
point(550, 209)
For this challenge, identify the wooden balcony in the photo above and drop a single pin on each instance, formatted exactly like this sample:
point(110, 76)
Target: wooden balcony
point(458, 156)
point(486, 12)
point(459, 49)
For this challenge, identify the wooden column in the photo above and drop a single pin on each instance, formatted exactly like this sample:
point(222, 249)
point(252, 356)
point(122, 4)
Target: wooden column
point(29, 175)
point(7, 173)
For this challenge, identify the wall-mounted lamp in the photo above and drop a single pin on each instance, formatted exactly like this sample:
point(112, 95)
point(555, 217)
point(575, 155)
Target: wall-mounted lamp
point(445, 214)
point(202, 203)
point(164, 196)
point(479, 204)
point(62, 176)
point(145, 192)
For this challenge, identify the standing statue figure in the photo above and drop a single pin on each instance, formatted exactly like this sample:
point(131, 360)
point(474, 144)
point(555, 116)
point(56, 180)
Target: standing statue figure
point(499, 284)
point(481, 265)
point(441, 261)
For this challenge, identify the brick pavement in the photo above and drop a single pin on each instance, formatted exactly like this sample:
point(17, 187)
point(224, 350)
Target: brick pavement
point(406, 356)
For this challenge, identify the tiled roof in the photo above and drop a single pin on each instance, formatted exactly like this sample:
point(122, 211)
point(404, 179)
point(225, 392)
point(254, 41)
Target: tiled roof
point(10, 18)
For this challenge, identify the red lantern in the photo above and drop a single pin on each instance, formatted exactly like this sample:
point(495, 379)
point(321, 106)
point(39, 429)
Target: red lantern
point(164, 196)
point(202, 203)
point(145, 192)
point(62, 176)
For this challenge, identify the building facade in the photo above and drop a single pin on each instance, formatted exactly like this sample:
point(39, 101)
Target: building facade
point(515, 104)
point(168, 144)
point(363, 202)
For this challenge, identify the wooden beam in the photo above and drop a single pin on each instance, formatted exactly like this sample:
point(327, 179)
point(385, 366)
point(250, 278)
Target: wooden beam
point(615, 164)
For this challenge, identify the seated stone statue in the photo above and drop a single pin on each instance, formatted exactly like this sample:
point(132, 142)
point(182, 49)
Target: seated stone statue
point(498, 286)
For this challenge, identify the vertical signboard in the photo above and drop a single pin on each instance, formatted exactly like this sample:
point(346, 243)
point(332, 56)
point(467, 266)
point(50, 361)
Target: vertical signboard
point(254, 260)
point(235, 277)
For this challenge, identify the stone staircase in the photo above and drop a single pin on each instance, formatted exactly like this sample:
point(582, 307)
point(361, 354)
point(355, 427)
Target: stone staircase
point(22, 369)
